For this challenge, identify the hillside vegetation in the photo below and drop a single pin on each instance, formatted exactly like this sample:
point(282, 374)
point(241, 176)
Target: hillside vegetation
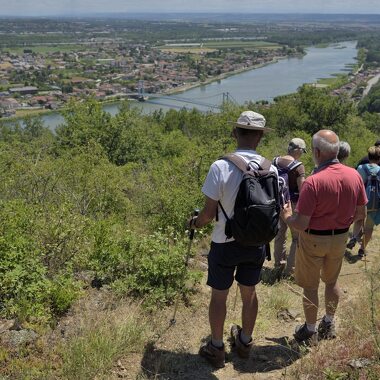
point(103, 201)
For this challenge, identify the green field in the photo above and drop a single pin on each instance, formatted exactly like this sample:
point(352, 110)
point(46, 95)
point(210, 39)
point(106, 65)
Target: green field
point(243, 44)
point(43, 49)
point(187, 49)
point(336, 81)
point(212, 45)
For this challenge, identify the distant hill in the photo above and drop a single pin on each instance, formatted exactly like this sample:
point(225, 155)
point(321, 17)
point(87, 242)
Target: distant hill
point(230, 17)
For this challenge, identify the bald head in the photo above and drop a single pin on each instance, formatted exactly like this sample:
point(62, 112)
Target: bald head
point(328, 135)
point(326, 143)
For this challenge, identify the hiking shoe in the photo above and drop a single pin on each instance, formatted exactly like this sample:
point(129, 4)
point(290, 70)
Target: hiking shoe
point(213, 355)
point(278, 270)
point(242, 349)
point(351, 243)
point(303, 335)
point(361, 253)
point(326, 330)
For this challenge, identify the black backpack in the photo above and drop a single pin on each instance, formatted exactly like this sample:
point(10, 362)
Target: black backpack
point(257, 204)
point(283, 178)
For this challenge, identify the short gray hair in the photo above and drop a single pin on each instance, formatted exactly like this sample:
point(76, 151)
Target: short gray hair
point(325, 146)
point(344, 150)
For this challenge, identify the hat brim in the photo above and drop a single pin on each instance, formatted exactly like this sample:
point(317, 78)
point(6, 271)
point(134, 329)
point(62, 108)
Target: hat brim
point(251, 127)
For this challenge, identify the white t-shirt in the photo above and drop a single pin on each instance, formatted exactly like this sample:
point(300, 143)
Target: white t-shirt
point(222, 184)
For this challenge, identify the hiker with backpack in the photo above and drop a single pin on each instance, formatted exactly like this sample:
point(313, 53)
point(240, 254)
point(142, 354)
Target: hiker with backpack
point(330, 200)
point(370, 174)
point(291, 177)
point(365, 159)
point(241, 193)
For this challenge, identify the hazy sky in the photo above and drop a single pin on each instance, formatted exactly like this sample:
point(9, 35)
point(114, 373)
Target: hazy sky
point(51, 7)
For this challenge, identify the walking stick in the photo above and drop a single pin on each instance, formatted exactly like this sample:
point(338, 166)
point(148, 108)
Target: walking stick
point(364, 245)
point(191, 237)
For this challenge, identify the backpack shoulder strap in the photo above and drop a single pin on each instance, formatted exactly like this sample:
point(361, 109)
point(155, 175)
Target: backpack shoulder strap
point(366, 170)
point(294, 164)
point(369, 174)
point(275, 161)
point(265, 164)
point(237, 161)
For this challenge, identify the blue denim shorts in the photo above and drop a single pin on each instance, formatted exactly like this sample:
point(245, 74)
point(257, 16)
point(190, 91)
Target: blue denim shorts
point(226, 258)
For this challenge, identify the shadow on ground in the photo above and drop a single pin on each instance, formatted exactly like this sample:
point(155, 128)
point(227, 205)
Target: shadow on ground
point(267, 358)
point(270, 276)
point(163, 364)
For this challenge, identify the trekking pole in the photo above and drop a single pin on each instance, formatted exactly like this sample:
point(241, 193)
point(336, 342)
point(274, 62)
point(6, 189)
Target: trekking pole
point(364, 245)
point(191, 237)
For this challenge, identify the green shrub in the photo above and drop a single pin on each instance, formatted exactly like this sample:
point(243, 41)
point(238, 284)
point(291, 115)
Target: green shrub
point(24, 286)
point(151, 266)
point(63, 292)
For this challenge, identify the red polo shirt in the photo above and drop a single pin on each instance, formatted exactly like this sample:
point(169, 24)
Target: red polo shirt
point(330, 197)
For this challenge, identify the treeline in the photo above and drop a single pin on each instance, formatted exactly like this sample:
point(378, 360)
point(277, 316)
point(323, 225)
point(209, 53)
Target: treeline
point(104, 200)
point(306, 37)
point(292, 33)
point(371, 103)
point(371, 43)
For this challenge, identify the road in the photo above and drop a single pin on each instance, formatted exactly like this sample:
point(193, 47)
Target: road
point(370, 83)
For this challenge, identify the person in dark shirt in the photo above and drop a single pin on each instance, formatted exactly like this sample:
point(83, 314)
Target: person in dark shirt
point(365, 159)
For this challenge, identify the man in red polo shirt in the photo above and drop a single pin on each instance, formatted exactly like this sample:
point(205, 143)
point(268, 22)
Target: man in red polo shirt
point(330, 201)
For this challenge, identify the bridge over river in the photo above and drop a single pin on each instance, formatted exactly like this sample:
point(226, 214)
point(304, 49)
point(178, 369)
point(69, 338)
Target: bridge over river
point(263, 83)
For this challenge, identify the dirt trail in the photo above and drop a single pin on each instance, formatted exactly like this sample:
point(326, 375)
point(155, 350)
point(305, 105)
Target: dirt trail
point(174, 352)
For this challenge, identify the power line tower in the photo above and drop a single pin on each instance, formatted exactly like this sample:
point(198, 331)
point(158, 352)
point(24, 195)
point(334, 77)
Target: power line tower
point(226, 97)
point(140, 89)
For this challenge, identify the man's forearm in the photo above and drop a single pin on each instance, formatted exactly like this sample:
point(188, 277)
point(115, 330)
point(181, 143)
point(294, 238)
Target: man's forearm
point(203, 219)
point(360, 213)
point(294, 222)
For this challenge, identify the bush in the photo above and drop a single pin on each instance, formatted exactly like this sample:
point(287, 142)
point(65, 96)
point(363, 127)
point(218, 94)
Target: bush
point(151, 267)
point(24, 287)
point(63, 292)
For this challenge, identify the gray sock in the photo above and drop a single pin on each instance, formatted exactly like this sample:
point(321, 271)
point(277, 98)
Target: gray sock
point(218, 343)
point(245, 339)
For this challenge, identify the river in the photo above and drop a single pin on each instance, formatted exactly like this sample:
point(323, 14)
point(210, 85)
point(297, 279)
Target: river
point(264, 83)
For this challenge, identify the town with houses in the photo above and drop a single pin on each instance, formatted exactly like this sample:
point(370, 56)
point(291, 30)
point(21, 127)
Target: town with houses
point(31, 80)
point(44, 65)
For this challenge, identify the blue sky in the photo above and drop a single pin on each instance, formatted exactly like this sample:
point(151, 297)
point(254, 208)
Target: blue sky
point(56, 7)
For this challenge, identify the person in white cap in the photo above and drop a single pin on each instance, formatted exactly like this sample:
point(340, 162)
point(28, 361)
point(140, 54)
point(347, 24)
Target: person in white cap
point(228, 259)
point(296, 176)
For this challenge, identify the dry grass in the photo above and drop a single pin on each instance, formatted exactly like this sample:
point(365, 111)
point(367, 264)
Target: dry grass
point(95, 338)
point(105, 337)
point(358, 343)
point(103, 340)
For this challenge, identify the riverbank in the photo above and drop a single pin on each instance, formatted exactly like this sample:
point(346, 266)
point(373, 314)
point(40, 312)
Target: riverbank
point(20, 114)
point(220, 77)
point(276, 77)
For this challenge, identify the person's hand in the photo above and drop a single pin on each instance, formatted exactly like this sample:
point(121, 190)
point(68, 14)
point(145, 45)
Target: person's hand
point(191, 223)
point(287, 211)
